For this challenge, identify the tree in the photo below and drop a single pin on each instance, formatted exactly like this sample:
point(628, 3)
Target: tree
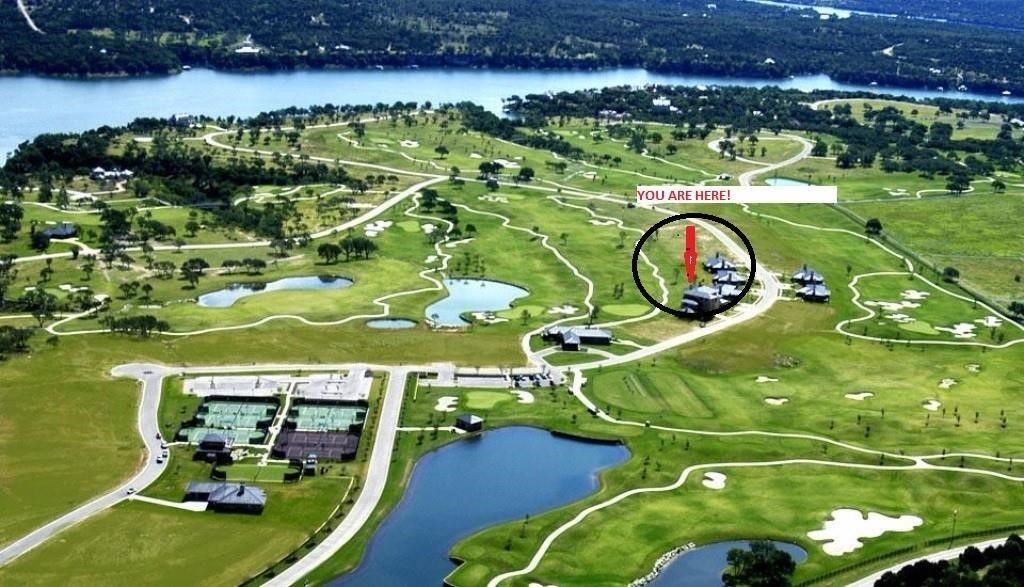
point(525, 316)
point(10, 220)
point(873, 226)
point(193, 269)
point(763, 565)
point(329, 252)
point(40, 241)
point(191, 228)
point(951, 274)
point(1016, 308)
point(147, 291)
point(40, 304)
point(525, 174)
point(998, 186)
point(441, 150)
point(958, 183)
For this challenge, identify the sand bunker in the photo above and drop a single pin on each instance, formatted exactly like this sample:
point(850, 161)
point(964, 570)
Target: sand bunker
point(843, 532)
point(859, 397)
point(431, 259)
point(900, 318)
point(973, 367)
point(932, 405)
point(960, 330)
point(566, 309)
point(376, 227)
point(525, 397)
point(475, 156)
point(947, 383)
point(428, 228)
point(589, 175)
point(488, 318)
point(714, 480)
point(507, 164)
point(775, 401)
point(496, 199)
point(913, 294)
point(892, 307)
point(597, 222)
point(990, 322)
point(763, 379)
point(446, 403)
point(409, 144)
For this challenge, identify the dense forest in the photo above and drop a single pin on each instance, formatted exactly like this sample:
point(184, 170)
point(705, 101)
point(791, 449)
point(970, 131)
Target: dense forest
point(994, 566)
point(729, 37)
point(1002, 14)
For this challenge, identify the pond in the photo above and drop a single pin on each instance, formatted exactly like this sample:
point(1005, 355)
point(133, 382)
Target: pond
point(472, 295)
point(391, 323)
point(785, 181)
point(223, 298)
point(469, 485)
point(703, 566)
point(35, 104)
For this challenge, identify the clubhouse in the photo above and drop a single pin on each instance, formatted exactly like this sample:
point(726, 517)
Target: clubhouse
point(572, 337)
point(227, 497)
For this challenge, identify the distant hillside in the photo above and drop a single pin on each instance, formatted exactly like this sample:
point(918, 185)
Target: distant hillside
point(1002, 14)
point(728, 37)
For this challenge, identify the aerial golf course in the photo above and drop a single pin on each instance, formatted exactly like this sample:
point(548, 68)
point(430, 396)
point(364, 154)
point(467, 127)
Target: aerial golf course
point(899, 396)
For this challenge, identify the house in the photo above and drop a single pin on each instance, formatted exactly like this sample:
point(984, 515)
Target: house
point(100, 174)
point(719, 263)
point(214, 448)
point(814, 292)
point(309, 465)
point(62, 230)
point(701, 301)
point(572, 337)
point(805, 275)
point(469, 423)
point(729, 278)
point(661, 102)
point(182, 119)
point(729, 292)
point(227, 497)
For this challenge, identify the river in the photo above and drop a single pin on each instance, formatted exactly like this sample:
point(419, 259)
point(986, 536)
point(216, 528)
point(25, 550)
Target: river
point(33, 105)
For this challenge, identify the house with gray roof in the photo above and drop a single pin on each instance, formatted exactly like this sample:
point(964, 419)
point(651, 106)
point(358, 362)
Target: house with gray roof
point(805, 275)
point(227, 497)
point(701, 301)
point(729, 278)
point(572, 337)
point(814, 292)
point(718, 263)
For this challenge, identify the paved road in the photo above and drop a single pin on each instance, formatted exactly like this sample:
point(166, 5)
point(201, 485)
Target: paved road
point(373, 486)
point(148, 427)
point(944, 555)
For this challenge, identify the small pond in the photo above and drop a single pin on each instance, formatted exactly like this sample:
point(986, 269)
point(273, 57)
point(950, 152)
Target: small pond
point(223, 298)
point(468, 485)
point(472, 295)
point(391, 323)
point(703, 566)
point(785, 181)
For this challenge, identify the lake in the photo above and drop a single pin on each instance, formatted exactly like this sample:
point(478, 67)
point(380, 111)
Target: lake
point(703, 566)
point(472, 295)
point(470, 485)
point(223, 298)
point(34, 104)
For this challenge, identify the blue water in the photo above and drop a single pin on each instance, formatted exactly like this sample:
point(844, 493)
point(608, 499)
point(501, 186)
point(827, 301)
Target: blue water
point(391, 323)
point(703, 566)
point(785, 181)
point(469, 485)
point(472, 295)
point(33, 105)
point(223, 298)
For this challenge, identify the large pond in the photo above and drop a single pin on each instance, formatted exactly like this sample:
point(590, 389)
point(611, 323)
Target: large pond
point(472, 295)
point(34, 105)
point(469, 485)
point(703, 566)
point(223, 298)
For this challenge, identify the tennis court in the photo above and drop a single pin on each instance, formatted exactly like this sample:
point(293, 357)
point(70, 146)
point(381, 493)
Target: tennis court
point(240, 436)
point(230, 415)
point(325, 416)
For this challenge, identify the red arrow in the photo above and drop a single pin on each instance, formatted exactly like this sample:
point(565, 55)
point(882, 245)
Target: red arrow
point(690, 255)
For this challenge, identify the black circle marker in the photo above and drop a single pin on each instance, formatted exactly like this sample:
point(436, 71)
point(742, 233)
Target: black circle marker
point(678, 312)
